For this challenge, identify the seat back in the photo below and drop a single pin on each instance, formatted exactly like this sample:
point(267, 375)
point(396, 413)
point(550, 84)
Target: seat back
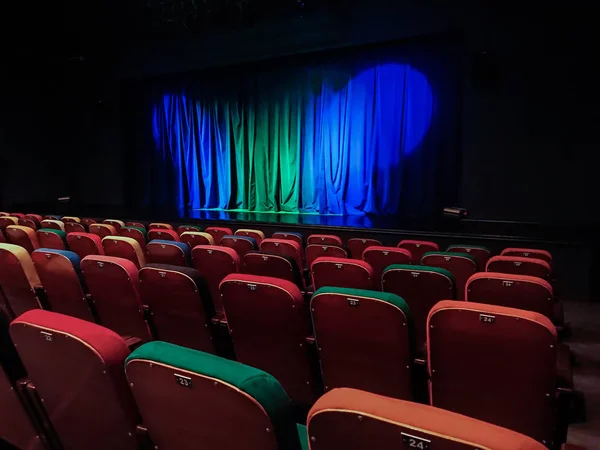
point(481, 254)
point(163, 235)
point(513, 291)
point(528, 253)
point(193, 238)
point(53, 224)
point(418, 248)
point(160, 226)
point(241, 244)
point(272, 265)
point(169, 252)
point(74, 227)
point(87, 221)
point(421, 287)
point(184, 228)
point(77, 369)
point(71, 219)
point(289, 235)
point(50, 238)
point(284, 247)
point(460, 265)
point(85, 244)
point(28, 222)
point(341, 272)
point(135, 225)
point(118, 224)
point(380, 257)
point(4, 214)
point(364, 339)
point(180, 304)
point(257, 235)
point(124, 247)
point(18, 279)
point(218, 232)
point(17, 215)
point(2, 237)
point(314, 251)
point(269, 323)
point(5, 221)
point(214, 263)
point(60, 274)
point(102, 230)
point(114, 286)
point(137, 233)
point(356, 246)
point(22, 236)
point(352, 419)
point(242, 408)
point(518, 265)
point(51, 217)
point(324, 239)
point(468, 345)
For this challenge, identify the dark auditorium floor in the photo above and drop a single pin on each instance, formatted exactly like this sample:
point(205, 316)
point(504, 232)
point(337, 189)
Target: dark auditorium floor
point(584, 319)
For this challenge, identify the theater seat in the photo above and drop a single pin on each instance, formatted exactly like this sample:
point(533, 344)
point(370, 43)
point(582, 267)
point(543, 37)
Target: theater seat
point(269, 323)
point(28, 222)
point(314, 251)
point(418, 248)
point(351, 419)
point(17, 215)
point(518, 265)
point(421, 287)
point(528, 253)
point(102, 230)
point(191, 400)
point(60, 274)
point(71, 219)
point(5, 221)
point(214, 263)
point(356, 246)
point(193, 238)
point(380, 257)
point(22, 236)
point(53, 224)
point(50, 238)
point(77, 369)
point(184, 228)
point(85, 244)
point(364, 339)
point(169, 252)
point(137, 233)
point(124, 247)
point(341, 272)
point(481, 254)
point(51, 217)
point(284, 247)
point(160, 226)
point(324, 239)
point(118, 224)
point(114, 286)
point(460, 265)
point(74, 227)
point(2, 237)
point(218, 232)
point(163, 235)
point(469, 345)
point(18, 279)
point(272, 265)
point(289, 235)
point(180, 304)
point(4, 214)
point(135, 225)
point(241, 244)
point(257, 235)
point(88, 221)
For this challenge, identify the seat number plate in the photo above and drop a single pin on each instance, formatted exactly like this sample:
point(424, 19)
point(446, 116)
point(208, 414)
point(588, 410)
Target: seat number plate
point(411, 441)
point(183, 380)
point(353, 301)
point(486, 318)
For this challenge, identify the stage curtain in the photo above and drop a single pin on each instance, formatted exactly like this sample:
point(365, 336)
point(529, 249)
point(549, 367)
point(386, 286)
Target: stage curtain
point(373, 133)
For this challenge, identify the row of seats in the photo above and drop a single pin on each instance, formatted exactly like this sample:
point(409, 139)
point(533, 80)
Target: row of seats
point(88, 391)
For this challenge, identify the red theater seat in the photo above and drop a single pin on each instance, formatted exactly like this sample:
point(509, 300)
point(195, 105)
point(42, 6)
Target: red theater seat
point(5, 221)
point(418, 248)
point(85, 244)
point(314, 251)
point(350, 419)
point(193, 238)
point(519, 266)
point(324, 239)
point(114, 286)
point(269, 323)
point(135, 225)
point(184, 228)
point(421, 287)
point(481, 254)
point(241, 244)
point(180, 304)
point(469, 345)
point(137, 233)
point(218, 232)
point(124, 247)
point(257, 235)
point(460, 265)
point(214, 263)
point(118, 224)
point(27, 222)
point(60, 274)
point(162, 235)
point(50, 238)
point(18, 279)
point(102, 230)
point(51, 218)
point(87, 222)
point(2, 237)
point(71, 219)
point(528, 253)
point(356, 246)
point(341, 272)
point(74, 227)
point(364, 340)
point(290, 236)
point(272, 265)
point(53, 224)
point(380, 257)
point(22, 236)
point(169, 252)
point(77, 369)
point(284, 247)
point(160, 226)
point(17, 215)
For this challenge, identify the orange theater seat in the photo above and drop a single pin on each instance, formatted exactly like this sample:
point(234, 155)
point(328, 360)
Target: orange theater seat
point(257, 235)
point(284, 247)
point(324, 239)
point(356, 246)
point(183, 228)
point(137, 233)
point(241, 244)
point(163, 235)
point(481, 254)
point(124, 247)
point(85, 244)
point(528, 253)
point(364, 340)
point(214, 263)
point(115, 288)
point(460, 265)
point(314, 251)
point(418, 248)
point(169, 252)
point(22, 236)
point(289, 235)
point(381, 257)
point(54, 224)
point(160, 226)
point(272, 265)
point(269, 323)
point(193, 238)
point(50, 238)
point(77, 370)
point(468, 346)
point(102, 230)
point(18, 279)
point(342, 272)
point(218, 232)
point(180, 304)
point(75, 227)
point(346, 419)
point(518, 265)
point(118, 224)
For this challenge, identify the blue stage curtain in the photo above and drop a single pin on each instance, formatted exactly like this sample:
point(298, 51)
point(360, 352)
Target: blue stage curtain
point(348, 136)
